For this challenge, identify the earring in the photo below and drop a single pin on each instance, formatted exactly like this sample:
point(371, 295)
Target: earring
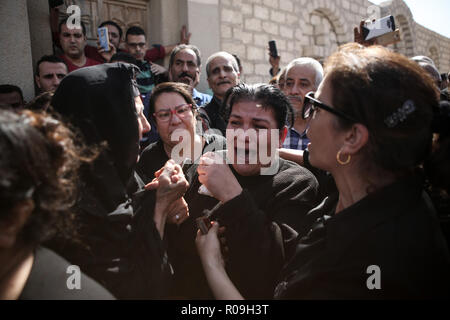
point(343, 163)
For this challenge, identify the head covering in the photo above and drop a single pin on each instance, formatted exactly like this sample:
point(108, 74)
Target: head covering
point(99, 101)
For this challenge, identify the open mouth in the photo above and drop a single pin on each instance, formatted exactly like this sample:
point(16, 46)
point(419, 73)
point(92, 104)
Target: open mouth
point(245, 156)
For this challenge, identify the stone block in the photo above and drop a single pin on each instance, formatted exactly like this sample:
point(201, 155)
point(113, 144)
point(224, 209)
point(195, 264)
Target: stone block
point(252, 24)
point(261, 39)
point(245, 37)
point(278, 16)
point(261, 12)
point(255, 53)
point(271, 3)
point(225, 31)
point(247, 9)
point(287, 5)
point(286, 32)
point(270, 27)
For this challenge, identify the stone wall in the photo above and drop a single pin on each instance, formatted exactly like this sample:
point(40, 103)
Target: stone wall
point(313, 28)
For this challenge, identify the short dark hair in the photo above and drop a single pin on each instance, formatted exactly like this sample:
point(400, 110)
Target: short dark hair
point(176, 87)
point(123, 57)
point(135, 31)
point(83, 26)
point(9, 88)
point(181, 47)
point(112, 23)
point(267, 95)
point(49, 58)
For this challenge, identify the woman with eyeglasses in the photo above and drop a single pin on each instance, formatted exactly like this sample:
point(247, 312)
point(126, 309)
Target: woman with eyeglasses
point(173, 110)
point(378, 237)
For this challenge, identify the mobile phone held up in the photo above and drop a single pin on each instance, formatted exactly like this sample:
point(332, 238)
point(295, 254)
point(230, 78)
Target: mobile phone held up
point(377, 28)
point(103, 38)
point(273, 48)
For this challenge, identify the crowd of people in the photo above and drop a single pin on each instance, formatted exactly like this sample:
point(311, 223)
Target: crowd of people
point(292, 189)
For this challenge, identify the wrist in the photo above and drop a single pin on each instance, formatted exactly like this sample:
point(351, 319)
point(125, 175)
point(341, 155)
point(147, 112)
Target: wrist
point(231, 194)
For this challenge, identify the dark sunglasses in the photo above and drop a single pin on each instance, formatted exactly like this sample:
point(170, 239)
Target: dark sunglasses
point(311, 104)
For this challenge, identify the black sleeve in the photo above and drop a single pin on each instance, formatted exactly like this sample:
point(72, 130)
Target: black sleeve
point(254, 238)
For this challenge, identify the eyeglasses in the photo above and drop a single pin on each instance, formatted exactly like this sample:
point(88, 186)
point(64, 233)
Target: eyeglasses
point(311, 104)
point(135, 45)
point(182, 111)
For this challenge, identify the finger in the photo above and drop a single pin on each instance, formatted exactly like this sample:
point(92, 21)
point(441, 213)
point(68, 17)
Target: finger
point(356, 34)
point(152, 185)
point(201, 169)
point(177, 168)
point(182, 218)
point(206, 160)
point(158, 173)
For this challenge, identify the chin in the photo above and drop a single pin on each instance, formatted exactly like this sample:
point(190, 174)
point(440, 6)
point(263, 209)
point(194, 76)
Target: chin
point(247, 169)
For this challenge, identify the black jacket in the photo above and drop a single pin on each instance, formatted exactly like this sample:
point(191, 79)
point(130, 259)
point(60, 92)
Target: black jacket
point(394, 229)
point(255, 257)
point(212, 116)
point(119, 244)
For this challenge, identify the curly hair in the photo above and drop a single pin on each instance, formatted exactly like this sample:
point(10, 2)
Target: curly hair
point(39, 161)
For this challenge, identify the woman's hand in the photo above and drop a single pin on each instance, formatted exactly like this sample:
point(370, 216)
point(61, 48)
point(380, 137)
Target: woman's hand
point(178, 212)
point(208, 247)
point(170, 185)
point(217, 177)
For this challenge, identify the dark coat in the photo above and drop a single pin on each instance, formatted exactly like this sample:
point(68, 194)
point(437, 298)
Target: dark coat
point(119, 244)
point(394, 229)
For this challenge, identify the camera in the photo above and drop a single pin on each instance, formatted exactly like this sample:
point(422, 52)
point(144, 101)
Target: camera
point(379, 27)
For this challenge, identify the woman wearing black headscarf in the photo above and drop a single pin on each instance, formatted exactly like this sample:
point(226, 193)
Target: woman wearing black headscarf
point(121, 246)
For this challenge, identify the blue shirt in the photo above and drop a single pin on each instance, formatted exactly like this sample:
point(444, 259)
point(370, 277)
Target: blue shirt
point(295, 140)
point(200, 98)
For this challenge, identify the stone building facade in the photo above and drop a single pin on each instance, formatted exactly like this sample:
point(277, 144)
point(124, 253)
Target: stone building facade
point(312, 28)
point(315, 28)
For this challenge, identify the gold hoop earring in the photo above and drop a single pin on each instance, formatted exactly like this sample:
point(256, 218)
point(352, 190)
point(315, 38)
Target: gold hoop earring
point(343, 163)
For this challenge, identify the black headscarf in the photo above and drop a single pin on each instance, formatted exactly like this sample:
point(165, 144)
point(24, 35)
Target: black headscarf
point(99, 101)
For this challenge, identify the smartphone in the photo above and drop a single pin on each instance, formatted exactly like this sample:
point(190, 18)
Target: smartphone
point(379, 27)
point(103, 38)
point(273, 48)
point(389, 38)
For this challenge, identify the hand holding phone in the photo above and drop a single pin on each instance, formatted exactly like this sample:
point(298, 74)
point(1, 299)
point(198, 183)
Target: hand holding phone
point(273, 48)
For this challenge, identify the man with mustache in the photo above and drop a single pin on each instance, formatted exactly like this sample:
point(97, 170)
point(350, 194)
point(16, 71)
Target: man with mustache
point(73, 41)
point(223, 73)
point(302, 76)
point(184, 66)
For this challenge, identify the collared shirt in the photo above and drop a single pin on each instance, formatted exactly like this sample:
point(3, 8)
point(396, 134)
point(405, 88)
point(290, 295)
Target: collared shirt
point(72, 67)
point(200, 98)
point(145, 79)
point(295, 140)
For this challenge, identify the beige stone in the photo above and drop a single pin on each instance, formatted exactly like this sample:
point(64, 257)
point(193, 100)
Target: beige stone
point(261, 12)
point(252, 24)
